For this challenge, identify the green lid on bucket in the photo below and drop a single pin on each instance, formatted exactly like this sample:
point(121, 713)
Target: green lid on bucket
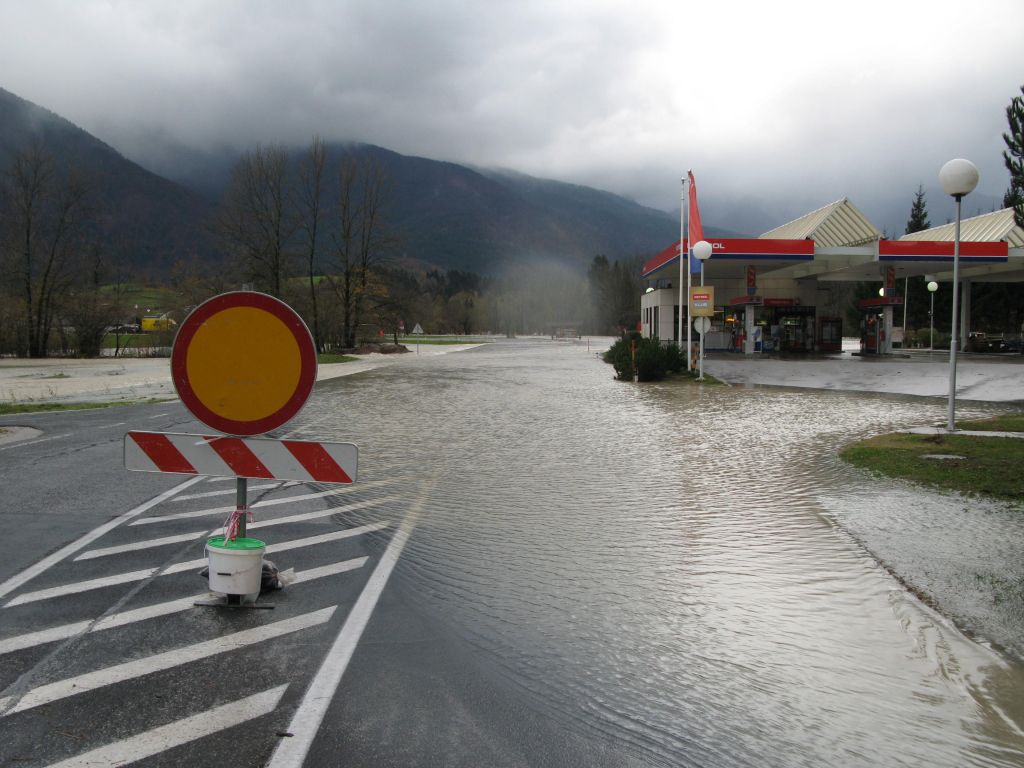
point(240, 543)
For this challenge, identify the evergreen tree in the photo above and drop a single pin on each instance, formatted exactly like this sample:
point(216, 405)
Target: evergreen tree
point(1013, 156)
point(918, 213)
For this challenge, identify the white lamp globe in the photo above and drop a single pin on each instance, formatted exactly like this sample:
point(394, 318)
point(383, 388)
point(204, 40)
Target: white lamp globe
point(933, 286)
point(702, 250)
point(881, 291)
point(958, 177)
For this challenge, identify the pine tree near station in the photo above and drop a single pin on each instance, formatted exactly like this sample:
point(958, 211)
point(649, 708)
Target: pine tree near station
point(1013, 156)
point(918, 220)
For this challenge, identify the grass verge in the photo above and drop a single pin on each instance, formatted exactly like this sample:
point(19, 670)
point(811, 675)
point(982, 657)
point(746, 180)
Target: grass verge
point(10, 408)
point(1012, 422)
point(327, 358)
point(984, 466)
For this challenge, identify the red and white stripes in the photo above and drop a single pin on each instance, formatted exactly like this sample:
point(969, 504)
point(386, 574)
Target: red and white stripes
point(241, 457)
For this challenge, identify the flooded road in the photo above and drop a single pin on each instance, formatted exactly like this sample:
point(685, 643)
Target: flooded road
point(689, 574)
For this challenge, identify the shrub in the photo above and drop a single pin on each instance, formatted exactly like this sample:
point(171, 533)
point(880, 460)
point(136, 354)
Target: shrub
point(620, 358)
point(653, 360)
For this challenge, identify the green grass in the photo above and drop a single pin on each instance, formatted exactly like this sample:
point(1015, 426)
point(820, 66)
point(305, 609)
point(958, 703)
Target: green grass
point(326, 358)
point(1013, 422)
point(12, 408)
point(990, 465)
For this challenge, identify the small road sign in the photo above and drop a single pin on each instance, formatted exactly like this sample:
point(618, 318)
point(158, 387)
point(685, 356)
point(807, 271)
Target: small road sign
point(221, 456)
point(243, 363)
point(702, 324)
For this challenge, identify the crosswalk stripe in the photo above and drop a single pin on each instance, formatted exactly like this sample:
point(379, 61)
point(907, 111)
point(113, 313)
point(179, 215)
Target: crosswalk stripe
point(209, 512)
point(123, 578)
point(136, 545)
point(227, 510)
point(158, 740)
point(90, 681)
point(63, 632)
point(229, 491)
point(306, 516)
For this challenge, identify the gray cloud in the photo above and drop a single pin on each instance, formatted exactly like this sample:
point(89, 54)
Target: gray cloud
point(779, 108)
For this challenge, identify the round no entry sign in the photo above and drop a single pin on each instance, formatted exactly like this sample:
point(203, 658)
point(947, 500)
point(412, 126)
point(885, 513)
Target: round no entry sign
point(243, 363)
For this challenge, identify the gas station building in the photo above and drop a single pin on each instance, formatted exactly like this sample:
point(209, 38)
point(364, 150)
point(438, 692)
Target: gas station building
point(778, 292)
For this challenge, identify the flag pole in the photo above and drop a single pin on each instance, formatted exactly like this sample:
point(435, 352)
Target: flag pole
point(689, 328)
point(682, 202)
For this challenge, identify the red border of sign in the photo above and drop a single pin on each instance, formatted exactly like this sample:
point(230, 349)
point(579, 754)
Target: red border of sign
point(291, 320)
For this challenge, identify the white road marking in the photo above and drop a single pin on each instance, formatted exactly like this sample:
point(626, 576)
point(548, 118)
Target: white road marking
point(210, 512)
point(305, 516)
point(34, 442)
point(47, 562)
point(123, 578)
point(148, 544)
point(53, 634)
point(62, 689)
point(158, 416)
point(228, 491)
point(180, 732)
point(284, 546)
point(291, 753)
point(111, 426)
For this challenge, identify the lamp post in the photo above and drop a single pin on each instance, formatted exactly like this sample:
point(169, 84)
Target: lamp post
point(958, 178)
point(932, 288)
point(702, 250)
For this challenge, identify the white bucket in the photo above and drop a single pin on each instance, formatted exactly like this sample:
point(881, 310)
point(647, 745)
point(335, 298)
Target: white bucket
point(236, 567)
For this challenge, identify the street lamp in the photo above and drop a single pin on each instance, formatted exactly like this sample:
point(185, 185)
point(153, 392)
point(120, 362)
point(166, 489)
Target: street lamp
point(702, 250)
point(958, 178)
point(932, 288)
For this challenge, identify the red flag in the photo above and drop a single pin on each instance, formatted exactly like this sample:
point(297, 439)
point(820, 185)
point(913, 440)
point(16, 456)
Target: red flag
point(696, 233)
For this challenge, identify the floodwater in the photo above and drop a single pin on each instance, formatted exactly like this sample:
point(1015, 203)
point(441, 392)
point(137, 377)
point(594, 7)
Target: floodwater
point(690, 573)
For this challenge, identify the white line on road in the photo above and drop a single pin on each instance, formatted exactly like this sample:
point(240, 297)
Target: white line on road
point(291, 753)
point(210, 512)
point(123, 578)
point(90, 681)
point(63, 632)
point(148, 544)
point(34, 442)
point(229, 491)
point(111, 426)
point(180, 732)
point(158, 416)
point(306, 516)
point(47, 562)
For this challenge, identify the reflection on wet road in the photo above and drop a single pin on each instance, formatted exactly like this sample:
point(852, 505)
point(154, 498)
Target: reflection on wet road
point(690, 573)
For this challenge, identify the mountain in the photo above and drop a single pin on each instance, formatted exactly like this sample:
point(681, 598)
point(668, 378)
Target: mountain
point(142, 217)
point(484, 220)
point(445, 215)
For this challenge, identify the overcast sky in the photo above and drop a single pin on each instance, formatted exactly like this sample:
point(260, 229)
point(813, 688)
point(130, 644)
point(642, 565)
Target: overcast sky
point(779, 107)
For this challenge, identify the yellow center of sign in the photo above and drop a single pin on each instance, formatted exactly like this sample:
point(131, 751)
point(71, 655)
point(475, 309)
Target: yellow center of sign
point(243, 364)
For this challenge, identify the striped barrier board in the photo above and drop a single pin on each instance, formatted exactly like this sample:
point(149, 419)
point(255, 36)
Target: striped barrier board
point(222, 456)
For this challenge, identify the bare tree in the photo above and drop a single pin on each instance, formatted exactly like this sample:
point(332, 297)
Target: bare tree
point(41, 231)
point(257, 221)
point(309, 198)
point(360, 237)
point(90, 308)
